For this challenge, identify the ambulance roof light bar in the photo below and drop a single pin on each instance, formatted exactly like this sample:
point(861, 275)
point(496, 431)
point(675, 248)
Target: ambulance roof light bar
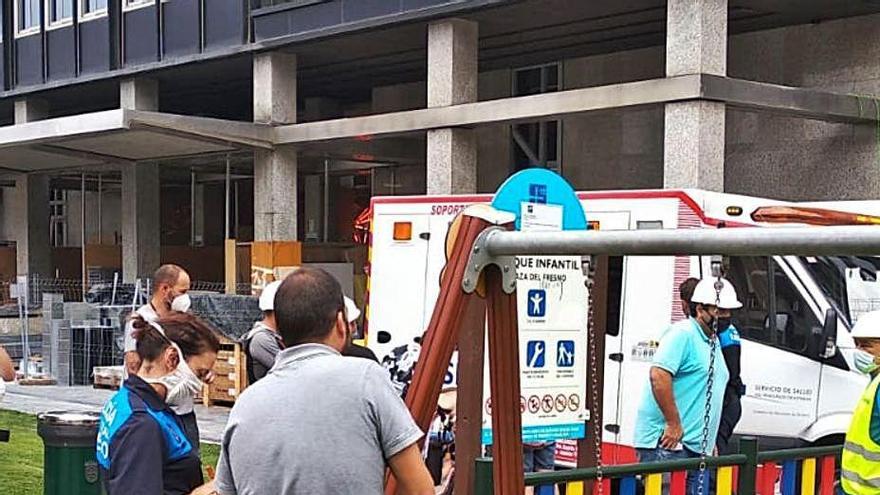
point(811, 216)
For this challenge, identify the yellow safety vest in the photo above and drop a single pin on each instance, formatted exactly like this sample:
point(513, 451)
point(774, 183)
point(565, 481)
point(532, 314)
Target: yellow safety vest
point(860, 463)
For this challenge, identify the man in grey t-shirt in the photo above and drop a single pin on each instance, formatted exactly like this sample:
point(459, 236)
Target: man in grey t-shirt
point(319, 422)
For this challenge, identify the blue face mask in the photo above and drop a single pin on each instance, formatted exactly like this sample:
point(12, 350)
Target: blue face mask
point(864, 362)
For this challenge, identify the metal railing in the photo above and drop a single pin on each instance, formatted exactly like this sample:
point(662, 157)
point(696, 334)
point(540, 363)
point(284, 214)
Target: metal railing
point(807, 470)
point(98, 291)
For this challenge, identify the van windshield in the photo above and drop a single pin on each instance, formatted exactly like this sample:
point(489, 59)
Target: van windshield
point(849, 283)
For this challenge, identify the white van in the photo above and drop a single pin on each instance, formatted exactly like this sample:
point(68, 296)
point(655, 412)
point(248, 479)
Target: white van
point(791, 305)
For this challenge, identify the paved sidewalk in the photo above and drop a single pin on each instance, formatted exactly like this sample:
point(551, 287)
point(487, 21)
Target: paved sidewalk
point(34, 399)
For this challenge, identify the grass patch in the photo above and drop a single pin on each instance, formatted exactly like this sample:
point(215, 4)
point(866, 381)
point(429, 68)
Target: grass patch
point(21, 460)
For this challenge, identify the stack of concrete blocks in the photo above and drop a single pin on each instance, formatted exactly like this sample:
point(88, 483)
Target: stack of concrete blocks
point(56, 339)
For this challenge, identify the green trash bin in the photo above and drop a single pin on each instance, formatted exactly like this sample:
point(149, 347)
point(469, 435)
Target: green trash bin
point(69, 464)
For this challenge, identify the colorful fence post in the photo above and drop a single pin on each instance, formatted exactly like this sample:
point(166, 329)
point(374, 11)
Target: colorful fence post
point(483, 482)
point(828, 476)
point(747, 474)
point(769, 472)
point(654, 484)
point(789, 477)
point(808, 477)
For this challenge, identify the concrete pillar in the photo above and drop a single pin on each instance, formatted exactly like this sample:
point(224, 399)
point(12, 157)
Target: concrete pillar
point(275, 88)
point(696, 42)
point(30, 198)
point(140, 192)
point(452, 80)
point(275, 195)
point(275, 171)
point(30, 227)
point(139, 93)
point(140, 220)
point(30, 109)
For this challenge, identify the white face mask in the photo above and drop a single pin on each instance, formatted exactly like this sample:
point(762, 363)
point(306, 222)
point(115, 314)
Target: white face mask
point(181, 384)
point(865, 362)
point(181, 303)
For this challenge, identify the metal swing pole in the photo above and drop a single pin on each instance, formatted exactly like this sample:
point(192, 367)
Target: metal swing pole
point(496, 245)
point(746, 241)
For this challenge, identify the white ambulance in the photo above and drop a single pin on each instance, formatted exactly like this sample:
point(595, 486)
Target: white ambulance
point(798, 389)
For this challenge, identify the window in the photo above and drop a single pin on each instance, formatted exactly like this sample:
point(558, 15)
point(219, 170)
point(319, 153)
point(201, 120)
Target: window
point(57, 218)
point(92, 8)
point(134, 4)
point(773, 312)
point(59, 12)
point(614, 296)
point(27, 17)
point(537, 144)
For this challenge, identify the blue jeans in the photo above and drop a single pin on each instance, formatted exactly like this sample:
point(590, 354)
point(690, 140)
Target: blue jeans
point(693, 477)
point(540, 458)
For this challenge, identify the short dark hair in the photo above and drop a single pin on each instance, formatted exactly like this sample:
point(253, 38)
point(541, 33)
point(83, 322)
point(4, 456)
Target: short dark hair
point(686, 289)
point(306, 306)
point(166, 275)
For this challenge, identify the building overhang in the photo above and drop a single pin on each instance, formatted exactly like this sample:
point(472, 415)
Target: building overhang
point(122, 136)
point(736, 93)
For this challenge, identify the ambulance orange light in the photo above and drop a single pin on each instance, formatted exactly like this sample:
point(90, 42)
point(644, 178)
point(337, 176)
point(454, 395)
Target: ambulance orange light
point(402, 231)
point(734, 211)
point(594, 225)
point(811, 216)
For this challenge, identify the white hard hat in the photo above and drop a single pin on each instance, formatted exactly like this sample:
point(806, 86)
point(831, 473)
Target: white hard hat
point(352, 312)
point(267, 297)
point(867, 326)
point(705, 293)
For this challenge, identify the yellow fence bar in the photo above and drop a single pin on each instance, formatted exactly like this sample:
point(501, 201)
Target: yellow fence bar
point(808, 477)
point(654, 484)
point(575, 488)
point(725, 480)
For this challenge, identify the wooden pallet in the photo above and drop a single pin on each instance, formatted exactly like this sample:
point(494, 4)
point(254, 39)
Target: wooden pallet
point(230, 372)
point(107, 377)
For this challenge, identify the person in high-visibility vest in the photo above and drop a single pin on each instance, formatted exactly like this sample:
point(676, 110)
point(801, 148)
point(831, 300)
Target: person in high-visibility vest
point(860, 464)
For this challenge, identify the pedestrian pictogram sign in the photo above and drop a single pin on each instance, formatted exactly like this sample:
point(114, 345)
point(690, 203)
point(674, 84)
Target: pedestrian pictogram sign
point(565, 354)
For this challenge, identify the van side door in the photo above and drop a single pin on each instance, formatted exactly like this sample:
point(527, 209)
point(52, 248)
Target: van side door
point(779, 370)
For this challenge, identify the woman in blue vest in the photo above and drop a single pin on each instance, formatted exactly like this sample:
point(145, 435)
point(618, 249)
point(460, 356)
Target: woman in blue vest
point(142, 447)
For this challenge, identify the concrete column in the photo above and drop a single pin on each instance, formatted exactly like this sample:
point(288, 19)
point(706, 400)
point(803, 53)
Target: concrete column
point(30, 198)
point(140, 220)
point(275, 195)
point(452, 80)
point(30, 227)
point(275, 171)
point(30, 109)
point(696, 42)
point(139, 93)
point(275, 88)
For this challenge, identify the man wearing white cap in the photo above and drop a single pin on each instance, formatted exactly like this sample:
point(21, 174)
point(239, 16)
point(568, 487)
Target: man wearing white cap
point(262, 343)
point(352, 313)
point(674, 420)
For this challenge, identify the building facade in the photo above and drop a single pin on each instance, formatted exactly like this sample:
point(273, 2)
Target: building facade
point(154, 130)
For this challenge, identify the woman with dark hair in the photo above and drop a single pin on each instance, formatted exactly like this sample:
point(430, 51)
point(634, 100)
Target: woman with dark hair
point(142, 445)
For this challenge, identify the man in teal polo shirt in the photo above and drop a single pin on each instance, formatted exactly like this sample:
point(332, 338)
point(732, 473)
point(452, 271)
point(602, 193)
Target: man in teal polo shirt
point(670, 422)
